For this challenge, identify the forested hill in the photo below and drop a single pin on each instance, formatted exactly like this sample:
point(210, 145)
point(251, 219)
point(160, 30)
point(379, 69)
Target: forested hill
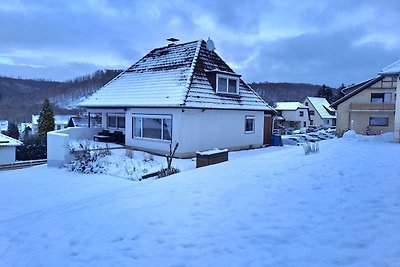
point(279, 92)
point(20, 98)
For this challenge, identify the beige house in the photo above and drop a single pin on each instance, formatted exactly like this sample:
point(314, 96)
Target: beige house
point(321, 113)
point(367, 107)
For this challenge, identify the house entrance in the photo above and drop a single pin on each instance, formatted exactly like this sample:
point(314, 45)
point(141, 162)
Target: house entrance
point(267, 130)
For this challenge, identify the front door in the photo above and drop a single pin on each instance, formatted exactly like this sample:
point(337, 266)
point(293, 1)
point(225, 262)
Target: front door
point(267, 130)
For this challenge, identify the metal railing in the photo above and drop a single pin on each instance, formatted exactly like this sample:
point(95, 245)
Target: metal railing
point(22, 164)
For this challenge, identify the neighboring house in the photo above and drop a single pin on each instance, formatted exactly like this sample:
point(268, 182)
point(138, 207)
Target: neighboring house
point(321, 113)
point(367, 107)
point(25, 129)
point(393, 71)
point(3, 126)
point(186, 94)
point(295, 115)
point(7, 149)
point(60, 121)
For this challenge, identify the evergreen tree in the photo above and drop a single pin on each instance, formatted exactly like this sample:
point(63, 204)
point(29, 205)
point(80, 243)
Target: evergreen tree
point(325, 92)
point(13, 131)
point(46, 118)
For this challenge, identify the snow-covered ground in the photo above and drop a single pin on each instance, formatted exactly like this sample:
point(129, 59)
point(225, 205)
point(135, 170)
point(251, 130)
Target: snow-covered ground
point(265, 207)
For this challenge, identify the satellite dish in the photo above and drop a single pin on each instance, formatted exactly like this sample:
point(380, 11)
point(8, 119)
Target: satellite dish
point(210, 45)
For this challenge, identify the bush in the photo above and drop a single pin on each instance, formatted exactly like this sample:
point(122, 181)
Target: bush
point(86, 159)
point(34, 147)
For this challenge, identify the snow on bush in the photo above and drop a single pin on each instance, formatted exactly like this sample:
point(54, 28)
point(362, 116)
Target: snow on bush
point(93, 157)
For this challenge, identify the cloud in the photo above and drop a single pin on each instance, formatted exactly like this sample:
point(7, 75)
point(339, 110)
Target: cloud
point(277, 40)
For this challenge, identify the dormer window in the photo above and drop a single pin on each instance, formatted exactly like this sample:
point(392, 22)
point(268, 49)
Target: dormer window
point(227, 85)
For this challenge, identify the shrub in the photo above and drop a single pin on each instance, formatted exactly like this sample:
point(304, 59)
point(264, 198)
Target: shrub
point(89, 158)
point(34, 147)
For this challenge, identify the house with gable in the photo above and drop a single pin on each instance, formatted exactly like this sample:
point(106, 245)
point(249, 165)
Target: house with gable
point(370, 107)
point(292, 115)
point(8, 149)
point(183, 93)
point(320, 111)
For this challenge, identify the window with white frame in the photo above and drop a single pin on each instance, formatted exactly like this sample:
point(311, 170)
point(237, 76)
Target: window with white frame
point(249, 124)
point(157, 127)
point(227, 84)
point(379, 121)
point(116, 121)
point(301, 113)
point(312, 112)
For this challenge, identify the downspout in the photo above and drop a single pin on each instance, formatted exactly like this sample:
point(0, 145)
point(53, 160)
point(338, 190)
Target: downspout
point(397, 112)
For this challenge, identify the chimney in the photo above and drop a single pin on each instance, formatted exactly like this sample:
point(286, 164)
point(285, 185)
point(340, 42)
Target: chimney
point(172, 41)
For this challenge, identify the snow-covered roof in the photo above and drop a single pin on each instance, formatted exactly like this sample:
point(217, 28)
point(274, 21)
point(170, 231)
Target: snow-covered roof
point(322, 106)
point(392, 69)
point(8, 141)
point(58, 119)
point(179, 75)
point(289, 105)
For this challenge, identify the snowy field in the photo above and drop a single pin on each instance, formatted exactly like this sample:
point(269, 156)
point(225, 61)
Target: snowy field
point(265, 207)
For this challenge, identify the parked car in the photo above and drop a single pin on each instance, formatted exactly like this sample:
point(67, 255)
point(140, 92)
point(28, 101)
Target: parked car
point(307, 138)
point(290, 140)
point(319, 136)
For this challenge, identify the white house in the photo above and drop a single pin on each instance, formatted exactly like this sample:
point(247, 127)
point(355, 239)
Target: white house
point(60, 122)
point(295, 114)
point(186, 94)
point(7, 149)
point(321, 113)
point(3, 126)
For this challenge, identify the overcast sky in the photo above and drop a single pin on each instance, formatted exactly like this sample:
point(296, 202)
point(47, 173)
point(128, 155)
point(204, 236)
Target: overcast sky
point(311, 41)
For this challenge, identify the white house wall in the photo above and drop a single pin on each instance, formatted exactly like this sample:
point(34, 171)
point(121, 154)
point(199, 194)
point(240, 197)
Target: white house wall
point(219, 129)
point(156, 146)
point(294, 115)
point(198, 129)
point(7, 154)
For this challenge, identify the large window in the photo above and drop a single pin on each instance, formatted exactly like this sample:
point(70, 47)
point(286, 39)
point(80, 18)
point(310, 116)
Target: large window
point(249, 124)
point(116, 121)
point(156, 127)
point(227, 85)
point(381, 97)
point(378, 121)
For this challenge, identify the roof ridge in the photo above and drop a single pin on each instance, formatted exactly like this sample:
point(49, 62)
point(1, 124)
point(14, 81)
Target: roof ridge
point(192, 68)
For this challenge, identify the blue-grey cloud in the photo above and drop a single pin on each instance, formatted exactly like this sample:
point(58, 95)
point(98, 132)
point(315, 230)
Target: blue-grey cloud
point(309, 41)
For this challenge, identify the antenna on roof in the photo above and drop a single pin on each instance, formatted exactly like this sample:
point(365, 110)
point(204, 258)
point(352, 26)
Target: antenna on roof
point(210, 45)
point(172, 40)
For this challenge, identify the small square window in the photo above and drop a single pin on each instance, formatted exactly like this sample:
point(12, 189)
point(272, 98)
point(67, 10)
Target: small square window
point(312, 112)
point(301, 113)
point(249, 124)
